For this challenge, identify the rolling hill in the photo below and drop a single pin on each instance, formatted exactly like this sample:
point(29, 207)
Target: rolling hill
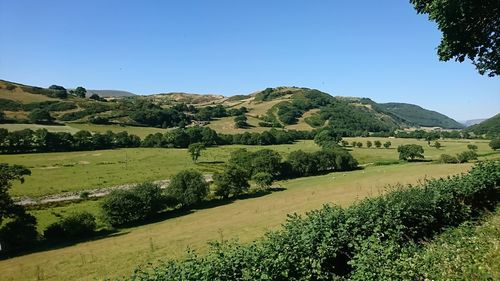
point(489, 126)
point(281, 107)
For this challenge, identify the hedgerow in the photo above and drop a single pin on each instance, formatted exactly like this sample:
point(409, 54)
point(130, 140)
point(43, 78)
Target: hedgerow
point(358, 242)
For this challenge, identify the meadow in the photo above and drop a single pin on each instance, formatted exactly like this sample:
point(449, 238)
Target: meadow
point(76, 171)
point(245, 220)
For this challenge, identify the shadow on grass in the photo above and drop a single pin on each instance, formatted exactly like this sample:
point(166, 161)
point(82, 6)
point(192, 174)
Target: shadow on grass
point(54, 244)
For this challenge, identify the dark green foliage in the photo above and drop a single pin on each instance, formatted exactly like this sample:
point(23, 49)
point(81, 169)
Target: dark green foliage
point(361, 242)
point(195, 149)
point(359, 144)
point(445, 158)
point(369, 144)
point(99, 120)
point(263, 180)
point(489, 127)
point(40, 116)
point(42, 140)
point(133, 205)
point(232, 181)
point(416, 115)
point(76, 225)
point(188, 187)
point(469, 31)
point(466, 156)
point(10, 105)
point(90, 109)
point(437, 144)
point(472, 147)
point(377, 143)
point(327, 137)
point(80, 92)
point(387, 144)
point(495, 143)
point(240, 121)
point(20, 230)
point(410, 152)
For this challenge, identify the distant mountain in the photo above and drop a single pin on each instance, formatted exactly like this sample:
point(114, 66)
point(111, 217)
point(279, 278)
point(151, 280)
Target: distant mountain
point(468, 123)
point(417, 115)
point(110, 93)
point(489, 126)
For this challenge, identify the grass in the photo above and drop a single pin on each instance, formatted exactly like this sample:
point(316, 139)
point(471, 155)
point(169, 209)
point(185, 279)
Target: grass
point(243, 219)
point(23, 97)
point(75, 171)
point(50, 128)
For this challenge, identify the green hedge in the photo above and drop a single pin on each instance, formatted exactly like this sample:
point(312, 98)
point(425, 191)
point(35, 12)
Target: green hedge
point(334, 243)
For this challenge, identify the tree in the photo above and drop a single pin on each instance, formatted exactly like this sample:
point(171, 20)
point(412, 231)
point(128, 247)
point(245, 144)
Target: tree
point(437, 144)
point(3, 118)
point(495, 143)
point(240, 121)
point(263, 180)
point(470, 29)
point(472, 147)
point(40, 116)
point(327, 137)
point(410, 152)
point(195, 150)
point(354, 143)
point(232, 181)
point(20, 231)
point(378, 144)
point(188, 187)
point(369, 144)
point(95, 97)
point(9, 173)
point(302, 163)
point(466, 156)
point(359, 144)
point(80, 92)
point(387, 144)
point(344, 143)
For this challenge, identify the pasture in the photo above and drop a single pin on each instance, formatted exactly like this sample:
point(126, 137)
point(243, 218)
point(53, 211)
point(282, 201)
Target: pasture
point(75, 171)
point(245, 220)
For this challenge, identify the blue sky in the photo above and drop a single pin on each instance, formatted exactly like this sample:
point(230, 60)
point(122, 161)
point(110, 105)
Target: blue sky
point(377, 49)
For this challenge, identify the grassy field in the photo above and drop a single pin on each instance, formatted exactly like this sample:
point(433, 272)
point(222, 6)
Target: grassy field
point(74, 171)
point(243, 219)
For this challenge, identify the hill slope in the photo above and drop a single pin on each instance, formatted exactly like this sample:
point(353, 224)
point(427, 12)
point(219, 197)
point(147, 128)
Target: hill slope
point(417, 115)
point(281, 107)
point(489, 126)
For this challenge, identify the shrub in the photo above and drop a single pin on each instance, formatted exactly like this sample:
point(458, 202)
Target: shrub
point(232, 181)
point(495, 143)
point(188, 187)
point(76, 225)
point(129, 206)
point(18, 234)
point(263, 180)
point(466, 156)
point(445, 158)
point(472, 147)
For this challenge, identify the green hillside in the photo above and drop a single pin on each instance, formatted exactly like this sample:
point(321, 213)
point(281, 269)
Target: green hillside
point(419, 116)
point(282, 108)
point(489, 126)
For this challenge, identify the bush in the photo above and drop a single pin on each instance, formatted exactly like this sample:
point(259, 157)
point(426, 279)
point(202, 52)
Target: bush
point(188, 187)
point(76, 225)
point(263, 180)
point(134, 205)
point(445, 158)
point(466, 156)
point(232, 181)
point(18, 234)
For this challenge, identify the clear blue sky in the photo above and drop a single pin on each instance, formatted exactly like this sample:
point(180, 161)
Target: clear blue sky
point(377, 49)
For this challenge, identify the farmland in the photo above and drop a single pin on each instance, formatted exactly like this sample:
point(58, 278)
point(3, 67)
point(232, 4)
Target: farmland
point(75, 171)
point(243, 219)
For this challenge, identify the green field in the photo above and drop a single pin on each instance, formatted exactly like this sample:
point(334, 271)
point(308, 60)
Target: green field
point(74, 171)
point(244, 219)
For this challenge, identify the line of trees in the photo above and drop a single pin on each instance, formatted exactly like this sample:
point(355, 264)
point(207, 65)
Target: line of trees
point(41, 140)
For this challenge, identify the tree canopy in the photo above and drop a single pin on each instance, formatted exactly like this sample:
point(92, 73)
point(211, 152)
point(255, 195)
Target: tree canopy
point(471, 29)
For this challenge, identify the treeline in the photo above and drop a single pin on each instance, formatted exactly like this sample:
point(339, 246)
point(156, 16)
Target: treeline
point(361, 242)
point(41, 140)
point(11, 105)
point(183, 137)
